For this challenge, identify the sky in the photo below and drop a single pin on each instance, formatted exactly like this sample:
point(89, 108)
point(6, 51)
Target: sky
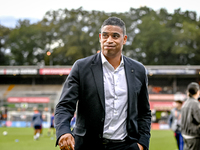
point(34, 10)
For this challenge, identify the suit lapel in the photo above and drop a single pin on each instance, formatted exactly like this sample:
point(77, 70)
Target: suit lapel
point(97, 71)
point(130, 75)
point(131, 83)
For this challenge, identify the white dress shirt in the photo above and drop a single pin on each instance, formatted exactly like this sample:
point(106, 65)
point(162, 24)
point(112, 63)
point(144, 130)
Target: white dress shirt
point(115, 90)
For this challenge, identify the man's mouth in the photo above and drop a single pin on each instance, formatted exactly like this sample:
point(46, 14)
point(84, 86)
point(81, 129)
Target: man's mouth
point(109, 46)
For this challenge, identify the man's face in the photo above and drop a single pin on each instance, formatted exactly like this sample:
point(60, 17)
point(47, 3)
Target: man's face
point(112, 41)
point(178, 105)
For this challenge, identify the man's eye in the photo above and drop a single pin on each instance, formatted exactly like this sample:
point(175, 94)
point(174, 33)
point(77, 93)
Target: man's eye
point(105, 35)
point(115, 36)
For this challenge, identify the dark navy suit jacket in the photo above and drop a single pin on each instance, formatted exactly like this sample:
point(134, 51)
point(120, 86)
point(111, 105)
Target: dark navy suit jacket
point(85, 85)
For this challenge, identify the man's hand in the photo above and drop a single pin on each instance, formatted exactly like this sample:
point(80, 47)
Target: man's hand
point(140, 146)
point(66, 142)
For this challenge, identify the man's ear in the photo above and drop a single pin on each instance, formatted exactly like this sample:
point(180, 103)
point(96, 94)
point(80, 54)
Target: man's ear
point(125, 39)
point(99, 37)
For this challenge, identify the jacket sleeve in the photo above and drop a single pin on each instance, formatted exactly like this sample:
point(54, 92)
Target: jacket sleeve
point(170, 119)
point(196, 113)
point(67, 103)
point(144, 115)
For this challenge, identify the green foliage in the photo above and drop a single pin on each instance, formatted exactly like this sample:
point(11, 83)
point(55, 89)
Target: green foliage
point(166, 39)
point(25, 44)
point(154, 37)
point(4, 56)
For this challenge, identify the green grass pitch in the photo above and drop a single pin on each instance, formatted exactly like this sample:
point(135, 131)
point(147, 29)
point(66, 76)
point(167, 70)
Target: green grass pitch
point(22, 139)
point(162, 140)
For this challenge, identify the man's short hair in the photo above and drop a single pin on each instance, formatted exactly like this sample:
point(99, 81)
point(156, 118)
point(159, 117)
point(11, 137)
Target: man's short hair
point(193, 88)
point(115, 21)
point(179, 101)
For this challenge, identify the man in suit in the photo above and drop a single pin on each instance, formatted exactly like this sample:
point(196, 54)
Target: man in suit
point(113, 110)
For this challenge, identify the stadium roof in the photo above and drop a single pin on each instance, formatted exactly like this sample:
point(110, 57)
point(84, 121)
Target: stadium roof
point(64, 70)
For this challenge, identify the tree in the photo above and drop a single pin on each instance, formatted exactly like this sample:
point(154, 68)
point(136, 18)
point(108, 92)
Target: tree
point(186, 44)
point(4, 52)
point(166, 39)
point(25, 44)
point(154, 37)
point(76, 34)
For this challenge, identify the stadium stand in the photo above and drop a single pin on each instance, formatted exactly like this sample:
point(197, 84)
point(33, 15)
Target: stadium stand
point(24, 87)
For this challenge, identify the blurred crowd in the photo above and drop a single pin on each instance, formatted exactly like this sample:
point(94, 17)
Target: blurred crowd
point(184, 119)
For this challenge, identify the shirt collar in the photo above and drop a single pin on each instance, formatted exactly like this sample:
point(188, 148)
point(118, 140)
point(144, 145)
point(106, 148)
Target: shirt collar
point(104, 60)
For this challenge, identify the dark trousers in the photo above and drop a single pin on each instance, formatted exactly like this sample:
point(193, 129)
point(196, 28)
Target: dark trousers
point(179, 140)
point(127, 145)
point(192, 144)
point(98, 144)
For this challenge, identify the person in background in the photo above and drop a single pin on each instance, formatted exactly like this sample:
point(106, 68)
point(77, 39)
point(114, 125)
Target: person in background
point(1, 118)
point(37, 123)
point(174, 122)
point(113, 111)
point(190, 118)
point(153, 114)
point(199, 98)
point(73, 122)
point(4, 116)
point(43, 118)
point(51, 128)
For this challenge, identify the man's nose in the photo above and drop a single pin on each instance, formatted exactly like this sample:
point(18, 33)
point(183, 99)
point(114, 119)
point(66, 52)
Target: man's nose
point(110, 39)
